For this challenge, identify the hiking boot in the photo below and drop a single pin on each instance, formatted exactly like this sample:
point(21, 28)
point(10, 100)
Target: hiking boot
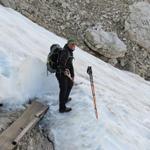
point(67, 109)
point(69, 99)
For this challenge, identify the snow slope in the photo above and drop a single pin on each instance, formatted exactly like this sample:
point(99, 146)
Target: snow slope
point(123, 99)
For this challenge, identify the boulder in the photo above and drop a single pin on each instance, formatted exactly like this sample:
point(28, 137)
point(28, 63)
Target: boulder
point(105, 43)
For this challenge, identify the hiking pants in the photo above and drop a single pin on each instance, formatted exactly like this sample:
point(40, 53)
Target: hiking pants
point(65, 86)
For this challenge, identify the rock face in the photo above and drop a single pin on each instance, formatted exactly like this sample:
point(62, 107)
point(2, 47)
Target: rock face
point(73, 17)
point(106, 43)
point(138, 24)
point(70, 18)
point(137, 27)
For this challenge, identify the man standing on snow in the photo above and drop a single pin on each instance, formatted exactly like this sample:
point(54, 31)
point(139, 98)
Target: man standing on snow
point(65, 75)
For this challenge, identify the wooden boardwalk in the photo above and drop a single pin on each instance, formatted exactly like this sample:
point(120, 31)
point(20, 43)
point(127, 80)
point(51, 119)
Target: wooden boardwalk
point(12, 135)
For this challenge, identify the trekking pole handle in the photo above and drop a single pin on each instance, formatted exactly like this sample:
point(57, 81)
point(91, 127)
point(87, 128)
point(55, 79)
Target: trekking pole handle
point(89, 70)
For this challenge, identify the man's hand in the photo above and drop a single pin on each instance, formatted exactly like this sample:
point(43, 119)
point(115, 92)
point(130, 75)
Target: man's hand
point(67, 72)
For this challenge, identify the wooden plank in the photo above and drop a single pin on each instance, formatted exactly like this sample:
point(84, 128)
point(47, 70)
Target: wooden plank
point(11, 136)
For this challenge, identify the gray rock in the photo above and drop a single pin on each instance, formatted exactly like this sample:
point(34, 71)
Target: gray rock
point(7, 3)
point(138, 24)
point(113, 61)
point(105, 43)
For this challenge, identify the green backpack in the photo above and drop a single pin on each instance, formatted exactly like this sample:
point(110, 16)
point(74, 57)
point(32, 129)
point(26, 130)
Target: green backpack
point(53, 58)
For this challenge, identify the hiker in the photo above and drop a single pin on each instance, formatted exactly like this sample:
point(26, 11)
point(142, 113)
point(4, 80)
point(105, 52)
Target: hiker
point(65, 75)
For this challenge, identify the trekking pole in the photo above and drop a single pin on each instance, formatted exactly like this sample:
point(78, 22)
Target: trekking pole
point(89, 71)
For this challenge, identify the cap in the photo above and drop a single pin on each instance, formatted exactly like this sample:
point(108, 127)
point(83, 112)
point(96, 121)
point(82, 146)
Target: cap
point(71, 41)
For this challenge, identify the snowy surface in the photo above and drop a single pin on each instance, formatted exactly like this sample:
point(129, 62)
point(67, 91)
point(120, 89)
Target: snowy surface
point(123, 99)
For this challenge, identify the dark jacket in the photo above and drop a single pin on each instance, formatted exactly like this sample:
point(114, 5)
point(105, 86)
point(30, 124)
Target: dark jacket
point(65, 60)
